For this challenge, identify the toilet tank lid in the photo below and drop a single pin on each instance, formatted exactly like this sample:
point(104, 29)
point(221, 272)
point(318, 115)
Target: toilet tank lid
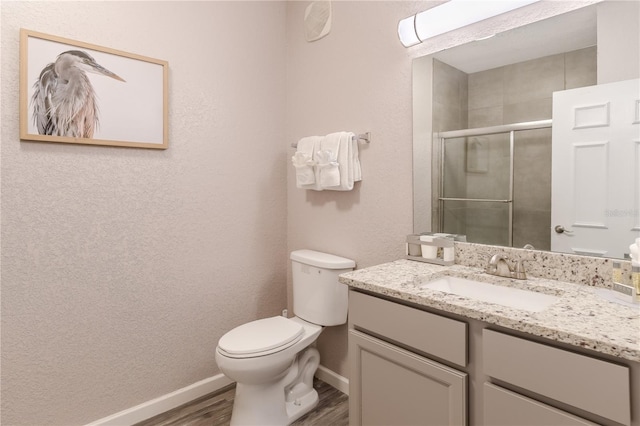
point(322, 260)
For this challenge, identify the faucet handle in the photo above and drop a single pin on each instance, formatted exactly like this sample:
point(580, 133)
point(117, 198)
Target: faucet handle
point(519, 273)
point(492, 265)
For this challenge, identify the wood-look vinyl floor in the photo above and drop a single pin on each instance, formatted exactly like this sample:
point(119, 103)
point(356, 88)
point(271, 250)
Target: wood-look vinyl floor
point(215, 410)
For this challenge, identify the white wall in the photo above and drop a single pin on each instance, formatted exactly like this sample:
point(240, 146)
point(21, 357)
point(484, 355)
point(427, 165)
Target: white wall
point(121, 268)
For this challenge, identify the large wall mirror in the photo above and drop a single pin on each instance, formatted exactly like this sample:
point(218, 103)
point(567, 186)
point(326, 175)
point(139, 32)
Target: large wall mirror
point(495, 161)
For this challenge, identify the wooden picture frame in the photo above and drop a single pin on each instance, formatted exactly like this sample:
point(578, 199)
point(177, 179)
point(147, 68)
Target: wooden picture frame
point(129, 90)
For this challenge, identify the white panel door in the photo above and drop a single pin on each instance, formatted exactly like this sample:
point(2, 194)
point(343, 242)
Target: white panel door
point(595, 162)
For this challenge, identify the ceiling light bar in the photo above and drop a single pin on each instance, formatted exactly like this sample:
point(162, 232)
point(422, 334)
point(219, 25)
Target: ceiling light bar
point(450, 16)
point(407, 31)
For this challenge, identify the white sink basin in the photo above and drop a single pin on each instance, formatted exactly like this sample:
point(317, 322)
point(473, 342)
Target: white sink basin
point(506, 296)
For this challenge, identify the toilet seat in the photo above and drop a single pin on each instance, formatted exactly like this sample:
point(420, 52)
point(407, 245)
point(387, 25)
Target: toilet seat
point(260, 337)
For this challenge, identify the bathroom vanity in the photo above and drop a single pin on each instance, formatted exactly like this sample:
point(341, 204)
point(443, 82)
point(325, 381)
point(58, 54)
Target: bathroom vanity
point(424, 356)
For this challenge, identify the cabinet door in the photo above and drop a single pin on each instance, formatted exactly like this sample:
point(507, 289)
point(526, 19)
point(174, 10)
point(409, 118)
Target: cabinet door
point(392, 386)
point(506, 408)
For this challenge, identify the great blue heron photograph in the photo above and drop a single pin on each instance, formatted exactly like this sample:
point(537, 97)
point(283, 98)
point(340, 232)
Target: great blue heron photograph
point(80, 93)
point(64, 101)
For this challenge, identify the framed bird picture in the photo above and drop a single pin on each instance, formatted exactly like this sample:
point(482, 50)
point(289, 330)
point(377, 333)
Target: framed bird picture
point(80, 93)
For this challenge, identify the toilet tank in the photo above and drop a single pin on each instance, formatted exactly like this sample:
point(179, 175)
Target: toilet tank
point(318, 296)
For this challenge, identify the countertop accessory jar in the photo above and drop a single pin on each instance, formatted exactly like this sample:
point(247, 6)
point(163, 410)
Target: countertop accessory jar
point(444, 249)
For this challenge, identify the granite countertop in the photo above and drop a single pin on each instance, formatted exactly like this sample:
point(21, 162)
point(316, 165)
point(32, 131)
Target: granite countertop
point(581, 317)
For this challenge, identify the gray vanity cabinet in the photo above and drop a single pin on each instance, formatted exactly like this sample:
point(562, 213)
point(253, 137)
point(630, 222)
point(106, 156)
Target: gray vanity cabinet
point(391, 383)
point(413, 367)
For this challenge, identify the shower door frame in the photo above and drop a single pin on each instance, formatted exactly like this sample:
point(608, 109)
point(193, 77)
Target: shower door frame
point(483, 131)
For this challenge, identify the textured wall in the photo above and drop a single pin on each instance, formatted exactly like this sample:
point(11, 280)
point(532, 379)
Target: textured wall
point(121, 268)
point(358, 78)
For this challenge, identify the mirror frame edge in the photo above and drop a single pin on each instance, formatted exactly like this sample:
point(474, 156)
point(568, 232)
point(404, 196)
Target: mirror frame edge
point(422, 75)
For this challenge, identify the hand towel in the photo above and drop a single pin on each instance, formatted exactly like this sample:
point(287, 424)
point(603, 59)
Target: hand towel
point(326, 159)
point(348, 161)
point(305, 164)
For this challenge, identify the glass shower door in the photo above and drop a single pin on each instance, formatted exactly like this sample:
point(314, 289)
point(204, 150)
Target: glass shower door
point(477, 187)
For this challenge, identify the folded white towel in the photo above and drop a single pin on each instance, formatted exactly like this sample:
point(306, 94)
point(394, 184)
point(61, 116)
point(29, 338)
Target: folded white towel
point(349, 162)
point(304, 163)
point(304, 170)
point(330, 162)
point(326, 158)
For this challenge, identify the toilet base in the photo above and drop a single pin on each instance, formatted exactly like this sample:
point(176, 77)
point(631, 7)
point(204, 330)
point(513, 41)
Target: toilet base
point(256, 405)
point(282, 402)
point(302, 405)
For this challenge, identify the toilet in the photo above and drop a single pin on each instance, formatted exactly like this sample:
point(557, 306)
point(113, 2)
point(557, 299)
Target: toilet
point(272, 360)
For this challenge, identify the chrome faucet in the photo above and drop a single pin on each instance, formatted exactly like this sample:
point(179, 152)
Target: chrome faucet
point(499, 266)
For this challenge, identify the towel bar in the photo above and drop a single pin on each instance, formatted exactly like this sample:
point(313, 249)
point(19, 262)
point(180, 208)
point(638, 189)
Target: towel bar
point(362, 137)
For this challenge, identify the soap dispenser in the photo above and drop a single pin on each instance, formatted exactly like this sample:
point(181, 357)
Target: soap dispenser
point(635, 266)
point(617, 271)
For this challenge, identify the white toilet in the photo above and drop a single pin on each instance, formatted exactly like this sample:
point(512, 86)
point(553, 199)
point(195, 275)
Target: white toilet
point(271, 360)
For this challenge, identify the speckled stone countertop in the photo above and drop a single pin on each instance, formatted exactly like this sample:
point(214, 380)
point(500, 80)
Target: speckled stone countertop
point(581, 317)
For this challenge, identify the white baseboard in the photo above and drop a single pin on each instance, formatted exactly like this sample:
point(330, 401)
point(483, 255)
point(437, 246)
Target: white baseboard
point(334, 379)
point(165, 403)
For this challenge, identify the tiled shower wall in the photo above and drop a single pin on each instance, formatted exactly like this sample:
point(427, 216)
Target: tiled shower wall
point(523, 91)
point(510, 94)
point(450, 112)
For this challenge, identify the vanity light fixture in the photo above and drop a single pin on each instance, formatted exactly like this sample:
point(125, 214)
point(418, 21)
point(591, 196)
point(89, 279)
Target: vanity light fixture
point(450, 16)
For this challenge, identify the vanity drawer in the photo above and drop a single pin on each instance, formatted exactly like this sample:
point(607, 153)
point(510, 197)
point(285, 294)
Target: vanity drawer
point(506, 408)
point(429, 333)
point(587, 383)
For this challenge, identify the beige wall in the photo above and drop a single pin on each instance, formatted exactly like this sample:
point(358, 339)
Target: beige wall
point(358, 78)
point(121, 268)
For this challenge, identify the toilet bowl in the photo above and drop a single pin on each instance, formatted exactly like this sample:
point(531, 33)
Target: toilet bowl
point(257, 367)
point(271, 385)
point(272, 360)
